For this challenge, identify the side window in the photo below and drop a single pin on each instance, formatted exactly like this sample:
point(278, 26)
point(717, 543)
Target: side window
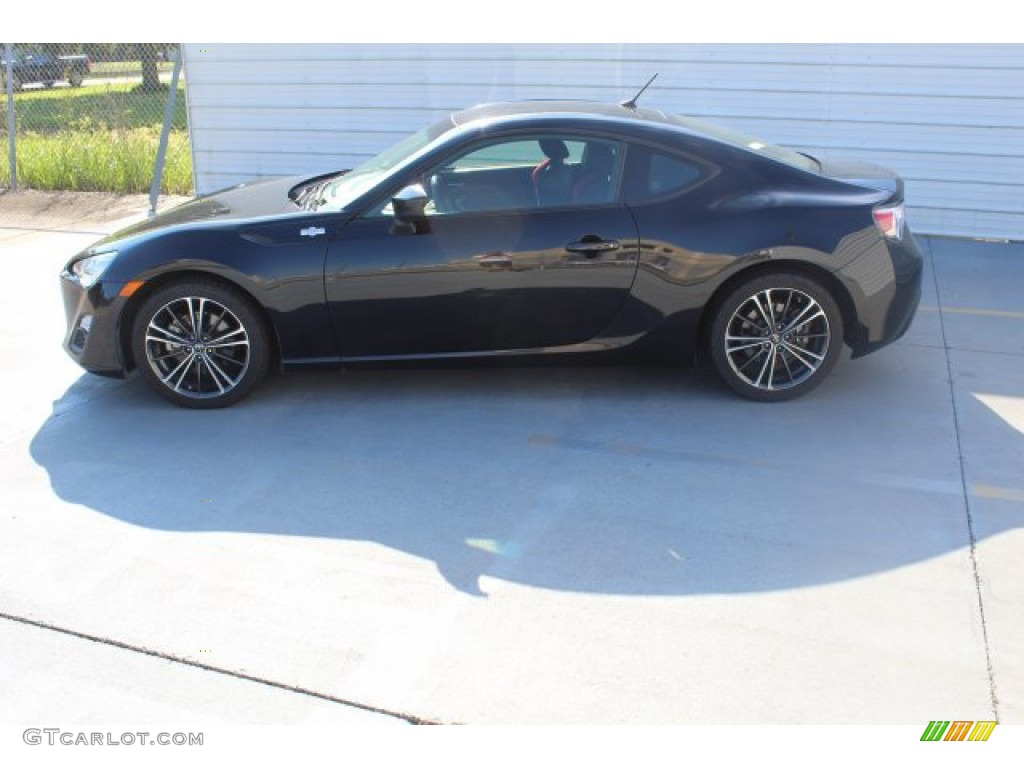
point(655, 174)
point(514, 154)
point(547, 171)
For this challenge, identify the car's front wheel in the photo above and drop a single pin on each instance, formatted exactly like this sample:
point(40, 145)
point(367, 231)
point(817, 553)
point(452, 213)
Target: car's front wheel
point(776, 336)
point(200, 344)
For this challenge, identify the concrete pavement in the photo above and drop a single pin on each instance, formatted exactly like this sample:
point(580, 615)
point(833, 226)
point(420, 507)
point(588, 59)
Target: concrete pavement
point(525, 545)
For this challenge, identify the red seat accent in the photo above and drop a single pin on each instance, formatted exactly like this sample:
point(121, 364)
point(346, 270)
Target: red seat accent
point(536, 172)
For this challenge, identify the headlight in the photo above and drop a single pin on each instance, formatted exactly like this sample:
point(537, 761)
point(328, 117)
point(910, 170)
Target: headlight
point(89, 269)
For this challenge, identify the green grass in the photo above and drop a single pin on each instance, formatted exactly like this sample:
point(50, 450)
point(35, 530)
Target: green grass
point(100, 161)
point(94, 107)
point(99, 138)
point(124, 68)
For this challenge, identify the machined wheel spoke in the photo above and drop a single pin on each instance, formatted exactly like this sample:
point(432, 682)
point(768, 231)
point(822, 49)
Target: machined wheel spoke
point(239, 343)
point(745, 337)
point(800, 321)
point(774, 366)
point(173, 353)
point(206, 361)
point(218, 341)
point(214, 367)
point(789, 371)
point(785, 309)
point(199, 374)
point(222, 356)
point(769, 363)
point(761, 311)
point(752, 358)
point(170, 337)
point(746, 345)
point(183, 367)
point(174, 317)
point(185, 361)
point(810, 368)
point(198, 324)
point(190, 313)
point(220, 318)
point(744, 340)
point(802, 350)
point(181, 378)
point(770, 306)
point(799, 354)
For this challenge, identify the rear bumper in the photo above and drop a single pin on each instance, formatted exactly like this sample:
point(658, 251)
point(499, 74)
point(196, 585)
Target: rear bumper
point(93, 335)
point(885, 286)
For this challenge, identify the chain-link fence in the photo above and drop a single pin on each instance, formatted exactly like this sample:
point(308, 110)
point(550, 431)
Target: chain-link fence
point(90, 117)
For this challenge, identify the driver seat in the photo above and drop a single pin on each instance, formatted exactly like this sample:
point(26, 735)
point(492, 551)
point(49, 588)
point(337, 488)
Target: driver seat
point(552, 178)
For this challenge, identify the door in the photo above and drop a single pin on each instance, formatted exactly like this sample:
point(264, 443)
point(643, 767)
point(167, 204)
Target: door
point(524, 244)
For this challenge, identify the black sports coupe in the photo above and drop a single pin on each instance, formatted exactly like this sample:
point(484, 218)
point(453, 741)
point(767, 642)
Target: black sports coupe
point(511, 229)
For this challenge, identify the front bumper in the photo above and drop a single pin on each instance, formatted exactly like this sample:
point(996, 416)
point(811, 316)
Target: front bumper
point(885, 286)
point(93, 338)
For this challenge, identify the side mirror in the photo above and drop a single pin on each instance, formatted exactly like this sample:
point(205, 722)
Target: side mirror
point(409, 209)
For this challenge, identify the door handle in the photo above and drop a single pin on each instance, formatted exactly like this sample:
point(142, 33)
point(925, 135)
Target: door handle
point(591, 246)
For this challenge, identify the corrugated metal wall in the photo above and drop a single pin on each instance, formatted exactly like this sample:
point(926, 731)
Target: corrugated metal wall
point(949, 118)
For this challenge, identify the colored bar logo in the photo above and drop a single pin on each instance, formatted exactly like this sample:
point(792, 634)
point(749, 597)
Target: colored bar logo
point(958, 730)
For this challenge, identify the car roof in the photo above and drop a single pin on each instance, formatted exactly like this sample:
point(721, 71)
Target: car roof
point(558, 108)
point(650, 123)
point(638, 121)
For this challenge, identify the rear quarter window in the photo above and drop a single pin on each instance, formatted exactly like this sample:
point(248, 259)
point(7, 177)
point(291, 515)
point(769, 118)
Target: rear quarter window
point(653, 174)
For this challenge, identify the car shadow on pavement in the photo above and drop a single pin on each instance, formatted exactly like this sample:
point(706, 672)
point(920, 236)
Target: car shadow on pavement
point(614, 480)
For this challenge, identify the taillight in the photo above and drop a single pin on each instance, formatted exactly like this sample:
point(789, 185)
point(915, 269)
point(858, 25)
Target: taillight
point(889, 220)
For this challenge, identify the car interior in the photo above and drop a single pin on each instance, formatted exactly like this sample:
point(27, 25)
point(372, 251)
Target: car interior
point(546, 172)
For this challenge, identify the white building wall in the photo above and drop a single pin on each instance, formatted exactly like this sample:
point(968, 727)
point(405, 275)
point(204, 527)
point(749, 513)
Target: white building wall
point(948, 118)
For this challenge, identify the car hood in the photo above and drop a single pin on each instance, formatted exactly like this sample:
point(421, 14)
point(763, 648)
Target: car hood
point(244, 202)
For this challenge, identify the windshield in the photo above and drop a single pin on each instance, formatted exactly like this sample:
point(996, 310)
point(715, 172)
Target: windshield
point(342, 190)
point(740, 139)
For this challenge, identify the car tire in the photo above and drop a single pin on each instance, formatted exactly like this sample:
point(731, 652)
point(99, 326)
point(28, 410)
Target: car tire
point(776, 336)
point(200, 343)
point(75, 79)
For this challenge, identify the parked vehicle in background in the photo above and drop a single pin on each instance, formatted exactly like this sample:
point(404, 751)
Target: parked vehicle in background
point(31, 65)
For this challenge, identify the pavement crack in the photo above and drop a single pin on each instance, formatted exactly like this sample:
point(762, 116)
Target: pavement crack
point(412, 719)
point(973, 539)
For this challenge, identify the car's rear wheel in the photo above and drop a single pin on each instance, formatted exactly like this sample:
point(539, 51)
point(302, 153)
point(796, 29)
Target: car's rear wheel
point(200, 344)
point(75, 78)
point(776, 336)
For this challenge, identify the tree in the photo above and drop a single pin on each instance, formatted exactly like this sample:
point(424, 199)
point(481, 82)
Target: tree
point(148, 54)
